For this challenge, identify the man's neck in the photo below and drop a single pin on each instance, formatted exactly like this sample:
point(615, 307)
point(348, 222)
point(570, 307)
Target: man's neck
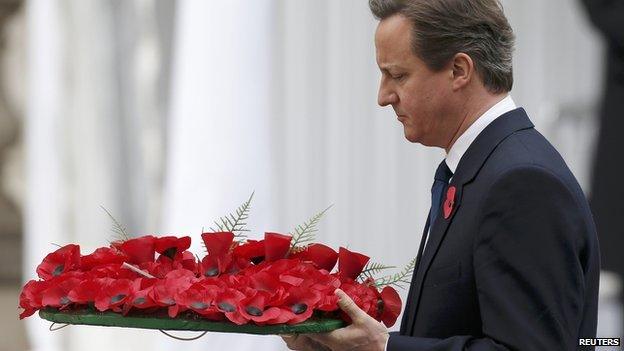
point(472, 112)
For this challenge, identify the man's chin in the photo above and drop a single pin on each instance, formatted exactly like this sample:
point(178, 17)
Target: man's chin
point(418, 139)
point(412, 137)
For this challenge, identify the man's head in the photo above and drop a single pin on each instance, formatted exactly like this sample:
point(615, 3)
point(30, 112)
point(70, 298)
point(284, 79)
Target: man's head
point(440, 59)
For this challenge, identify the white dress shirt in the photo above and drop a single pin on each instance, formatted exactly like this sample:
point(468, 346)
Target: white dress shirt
point(465, 140)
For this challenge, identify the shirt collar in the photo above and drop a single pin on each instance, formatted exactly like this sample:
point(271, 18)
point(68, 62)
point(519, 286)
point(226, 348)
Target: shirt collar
point(463, 142)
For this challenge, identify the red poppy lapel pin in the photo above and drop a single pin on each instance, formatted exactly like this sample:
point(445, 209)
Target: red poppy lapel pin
point(449, 202)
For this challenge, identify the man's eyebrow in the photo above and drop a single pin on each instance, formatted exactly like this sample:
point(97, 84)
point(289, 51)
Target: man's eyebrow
point(386, 67)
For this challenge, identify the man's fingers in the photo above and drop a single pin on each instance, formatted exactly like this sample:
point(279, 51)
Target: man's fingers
point(320, 340)
point(292, 342)
point(320, 337)
point(302, 343)
point(348, 306)
point(326, 338)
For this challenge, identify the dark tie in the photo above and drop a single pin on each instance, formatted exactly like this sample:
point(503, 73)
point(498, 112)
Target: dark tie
point(442, 176)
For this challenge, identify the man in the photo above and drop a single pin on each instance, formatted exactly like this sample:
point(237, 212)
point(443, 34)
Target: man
point(509, 257)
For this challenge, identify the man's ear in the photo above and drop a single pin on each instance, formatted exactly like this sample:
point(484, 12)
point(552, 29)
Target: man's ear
point(463, 70)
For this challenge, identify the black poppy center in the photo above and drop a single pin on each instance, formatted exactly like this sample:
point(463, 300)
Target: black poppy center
point(199, 305)
point(257, 260)
point(58, 270)
point(117, 298)
point(212, 272)
point(170, 252)
point(139, 301)
point(254, 311)
point(299, 308)
point(227, 307)
point(65, 300)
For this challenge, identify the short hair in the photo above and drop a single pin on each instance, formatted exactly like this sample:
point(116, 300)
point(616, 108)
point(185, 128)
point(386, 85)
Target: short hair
point(443, 28)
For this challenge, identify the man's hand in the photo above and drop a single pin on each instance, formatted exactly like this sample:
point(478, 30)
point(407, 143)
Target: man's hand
point(364, 334)
point(303, 343)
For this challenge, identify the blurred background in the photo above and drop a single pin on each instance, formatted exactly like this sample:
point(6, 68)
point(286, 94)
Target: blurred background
point(170, 113)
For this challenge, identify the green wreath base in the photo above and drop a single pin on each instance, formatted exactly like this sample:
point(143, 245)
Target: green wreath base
point(185, 322)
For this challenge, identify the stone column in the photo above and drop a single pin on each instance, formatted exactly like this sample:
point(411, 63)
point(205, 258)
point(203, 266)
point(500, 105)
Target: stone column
point(10, 125)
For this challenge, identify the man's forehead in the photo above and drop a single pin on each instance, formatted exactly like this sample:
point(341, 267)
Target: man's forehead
point(393, 29)
point(392, 41)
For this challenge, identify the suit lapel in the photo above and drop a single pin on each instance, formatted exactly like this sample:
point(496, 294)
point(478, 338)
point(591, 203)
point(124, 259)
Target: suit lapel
point(468, 167)
point(410, 308)
point(436, 235)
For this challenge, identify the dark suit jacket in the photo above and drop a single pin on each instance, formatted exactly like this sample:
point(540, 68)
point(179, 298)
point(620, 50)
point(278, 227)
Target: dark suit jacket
point(516, 265)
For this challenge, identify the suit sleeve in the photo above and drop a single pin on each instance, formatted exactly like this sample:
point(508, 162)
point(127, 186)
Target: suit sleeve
point(528, 272)
point(607, 16)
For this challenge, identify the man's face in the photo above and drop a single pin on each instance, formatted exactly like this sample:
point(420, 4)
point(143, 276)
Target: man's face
point(419, 96)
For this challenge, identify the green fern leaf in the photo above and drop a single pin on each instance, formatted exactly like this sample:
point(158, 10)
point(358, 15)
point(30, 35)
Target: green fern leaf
point(235, 222)
point(118, 229)
point(372, 268)
point(304, 233)
point(398, 279)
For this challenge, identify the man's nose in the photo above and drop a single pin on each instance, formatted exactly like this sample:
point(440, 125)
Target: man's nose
point(386, 96)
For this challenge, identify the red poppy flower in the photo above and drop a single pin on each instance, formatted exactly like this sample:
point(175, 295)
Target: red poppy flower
point(177, 282)
point(200, 297)
point(328, 303)
point(56, 295)
point(276, 246)
point(187, 261)
point(113, 295)
point(163, 265)
point(350, 264)
point(165, 290)
point(113, 270)
point(254, 307)
point(279, 267)
point(449, 202)
point(30, 297)
point(325, 282)
point(291, 279)
point(140, 295)
point(170, 246)
point(301, 303)
point(102, 256)
point(158, 269)
point(219, 243)
point(138, 250)
point(298, 307)
point(228, 302)
point(65, 259)
point(238, 265)
point(252, 250)
point(212, 266)
point(87, 290)
point(265, 282)
point(323, 257)
point(364, 296)
point(391, 306)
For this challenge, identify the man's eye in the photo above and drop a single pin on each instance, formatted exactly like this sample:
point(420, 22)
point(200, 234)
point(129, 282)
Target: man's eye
point(398, 76)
